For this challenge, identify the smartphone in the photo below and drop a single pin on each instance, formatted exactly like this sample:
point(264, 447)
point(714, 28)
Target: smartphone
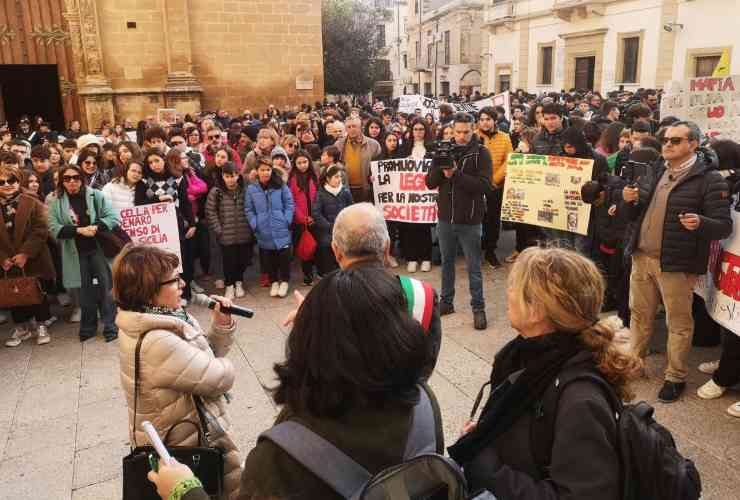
point(154, 438)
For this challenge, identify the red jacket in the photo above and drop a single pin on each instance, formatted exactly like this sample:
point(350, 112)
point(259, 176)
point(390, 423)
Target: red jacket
point(302, 210)
point(237, 160)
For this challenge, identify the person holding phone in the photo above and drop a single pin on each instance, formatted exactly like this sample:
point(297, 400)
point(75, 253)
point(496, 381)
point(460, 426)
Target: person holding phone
point(180, 363)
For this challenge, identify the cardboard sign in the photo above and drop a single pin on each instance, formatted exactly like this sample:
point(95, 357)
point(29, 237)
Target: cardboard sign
point(713, 103)
point(166, 115)
point(546, 191)
point(720, 286)
point(410, 103)
point(154, 224)
point(400, 190)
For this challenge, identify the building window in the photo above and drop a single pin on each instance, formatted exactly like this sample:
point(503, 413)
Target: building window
point(429, 54)
point(416, 88)
point(447, 47)
point(416, 6)
point(631, 52)
point(383, 70)
point(418, 53)
point(381, 35)
point(427, 88)
point(504, 83)
point(545, 65)
point(704, 65)
point(405, 62)
point(446, 87)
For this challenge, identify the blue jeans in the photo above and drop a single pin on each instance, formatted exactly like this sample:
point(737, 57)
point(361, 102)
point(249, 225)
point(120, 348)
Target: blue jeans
point(95, 295)
point(469, 238)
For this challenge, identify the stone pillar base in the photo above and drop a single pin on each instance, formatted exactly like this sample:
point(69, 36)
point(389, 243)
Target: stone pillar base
point(182, 92)
point(97, 103)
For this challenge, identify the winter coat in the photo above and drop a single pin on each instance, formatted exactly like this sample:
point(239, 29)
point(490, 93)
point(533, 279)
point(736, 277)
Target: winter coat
point(177, 361)
point(325, 211)
point(302, 209)
point(461, 197)
point(252, 160)
point(30, 233)
point(499, 146)
point(370, 151)
point(119, 194)
point(269, 472)
point(226, 216)
point(702, 191)
point(270, 213)
point(585, 460)
point(197, 189)
point(99, 209)
point(546, 143)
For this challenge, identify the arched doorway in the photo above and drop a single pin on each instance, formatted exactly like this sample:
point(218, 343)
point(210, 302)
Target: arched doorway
point(470, 82)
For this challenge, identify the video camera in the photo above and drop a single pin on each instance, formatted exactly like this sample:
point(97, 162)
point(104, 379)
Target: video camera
point(446, 153)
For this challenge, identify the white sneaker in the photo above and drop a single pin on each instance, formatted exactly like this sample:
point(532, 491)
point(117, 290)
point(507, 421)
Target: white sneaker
point(219, 284)
point(283, 290)
point(76, 315)
point(392, 261)
point(194, 286)
point(43, 335)
point(64, 299)
point(710, 390)
point(229, 293)
point(3, 317)
point(734, 410)
point(20, 334)
point(709, 367)
point(426, 266)
point(239, 290)
point(275, 289)
point(412, 266)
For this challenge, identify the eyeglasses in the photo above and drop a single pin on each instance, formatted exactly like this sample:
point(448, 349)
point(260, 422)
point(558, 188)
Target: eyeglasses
point(291, 145)
point(11, 181)
point(169, 282)
point(214, 137)
point(675, 141)
point(70, 178)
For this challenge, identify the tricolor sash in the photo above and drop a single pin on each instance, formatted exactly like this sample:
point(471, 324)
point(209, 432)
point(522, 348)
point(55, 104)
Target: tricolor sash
point(420, 298)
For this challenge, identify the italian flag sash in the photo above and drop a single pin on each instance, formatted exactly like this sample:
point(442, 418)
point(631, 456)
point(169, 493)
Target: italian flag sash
point(420, 297)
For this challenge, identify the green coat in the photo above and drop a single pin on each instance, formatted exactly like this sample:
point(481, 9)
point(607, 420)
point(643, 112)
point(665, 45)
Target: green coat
point(59, 217)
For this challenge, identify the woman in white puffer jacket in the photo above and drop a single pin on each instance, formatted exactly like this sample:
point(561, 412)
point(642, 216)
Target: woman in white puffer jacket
point(120, 191)
point(178, 360)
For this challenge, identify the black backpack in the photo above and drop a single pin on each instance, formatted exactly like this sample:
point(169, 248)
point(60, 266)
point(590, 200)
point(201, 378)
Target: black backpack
point(651, 465)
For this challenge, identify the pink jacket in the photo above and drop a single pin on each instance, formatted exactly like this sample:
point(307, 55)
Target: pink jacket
point(301, 202)
point(197, 187)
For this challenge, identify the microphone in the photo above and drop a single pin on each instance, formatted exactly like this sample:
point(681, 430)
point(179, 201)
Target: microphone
point(200, 299)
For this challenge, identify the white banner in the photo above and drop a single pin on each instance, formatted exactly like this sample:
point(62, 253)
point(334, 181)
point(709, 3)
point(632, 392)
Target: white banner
point(720, 287)
point(410, 103)
point(713, 103)
point(154, 224)
point(400, 190)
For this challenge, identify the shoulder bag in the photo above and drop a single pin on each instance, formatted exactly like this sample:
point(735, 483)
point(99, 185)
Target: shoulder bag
point(21, 291)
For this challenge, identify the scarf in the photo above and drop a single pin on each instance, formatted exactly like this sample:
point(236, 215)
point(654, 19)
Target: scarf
point(335, 191)
point(166, 311)
point(9, 207)
point(522, 370)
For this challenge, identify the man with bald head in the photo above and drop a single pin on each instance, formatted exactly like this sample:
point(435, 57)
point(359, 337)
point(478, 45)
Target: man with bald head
point(357, 152)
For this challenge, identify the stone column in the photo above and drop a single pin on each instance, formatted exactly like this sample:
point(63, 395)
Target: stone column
point(94, 87)
point(182, 90)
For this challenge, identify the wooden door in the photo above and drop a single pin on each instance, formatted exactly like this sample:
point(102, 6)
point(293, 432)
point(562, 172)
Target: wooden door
point(585, 68)
point(35, 32)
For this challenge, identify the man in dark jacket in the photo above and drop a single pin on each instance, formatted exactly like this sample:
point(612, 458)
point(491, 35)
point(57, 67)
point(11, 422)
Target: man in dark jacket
point(548, 141)
point(463, 184)
point(679, 207)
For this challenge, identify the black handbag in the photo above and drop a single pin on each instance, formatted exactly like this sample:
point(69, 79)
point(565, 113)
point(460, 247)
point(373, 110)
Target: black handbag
point(206, 462)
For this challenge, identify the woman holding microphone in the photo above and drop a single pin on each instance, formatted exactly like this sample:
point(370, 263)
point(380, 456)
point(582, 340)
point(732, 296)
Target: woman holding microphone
point(181, 365)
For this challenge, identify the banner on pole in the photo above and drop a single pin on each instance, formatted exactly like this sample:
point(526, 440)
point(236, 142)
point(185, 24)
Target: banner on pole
point(546, 191)
point(713, 103)
point(410, 103)
point(154, 224)
point(400, 190)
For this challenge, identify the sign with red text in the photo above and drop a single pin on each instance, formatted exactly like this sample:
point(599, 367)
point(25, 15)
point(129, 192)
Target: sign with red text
point(720, 286)
point(400, 191)
point(154, 224)
point(546, 191)
point(713, 103)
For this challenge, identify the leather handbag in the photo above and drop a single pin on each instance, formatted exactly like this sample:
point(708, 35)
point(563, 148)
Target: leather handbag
point(306, 247)
point(206, 462)
point(21, 291)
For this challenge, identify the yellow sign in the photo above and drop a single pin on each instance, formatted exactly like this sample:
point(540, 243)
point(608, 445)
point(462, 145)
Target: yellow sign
point(723, 66)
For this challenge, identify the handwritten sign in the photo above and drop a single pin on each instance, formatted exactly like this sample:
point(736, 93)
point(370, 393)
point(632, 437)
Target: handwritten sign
point(713, 103)
point(410, 103)
point(166, 115)
point(546, 191)
point(400, 190)
point(154, 224)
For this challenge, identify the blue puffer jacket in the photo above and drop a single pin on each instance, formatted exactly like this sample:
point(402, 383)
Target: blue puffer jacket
point(270, 212)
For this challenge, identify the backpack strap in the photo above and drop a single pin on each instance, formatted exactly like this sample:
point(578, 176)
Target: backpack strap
point(420, 300)
point(423, 434)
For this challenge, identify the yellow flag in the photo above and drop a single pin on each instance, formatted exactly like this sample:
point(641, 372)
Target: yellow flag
point(723, 66)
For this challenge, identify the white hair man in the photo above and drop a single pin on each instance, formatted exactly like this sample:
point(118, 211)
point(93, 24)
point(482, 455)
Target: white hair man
point(357, 152)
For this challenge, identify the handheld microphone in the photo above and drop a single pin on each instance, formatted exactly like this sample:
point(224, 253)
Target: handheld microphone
point(200, 299)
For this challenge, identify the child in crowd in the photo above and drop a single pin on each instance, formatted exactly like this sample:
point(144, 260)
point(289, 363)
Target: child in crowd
point(303, 184)
point(333, 196)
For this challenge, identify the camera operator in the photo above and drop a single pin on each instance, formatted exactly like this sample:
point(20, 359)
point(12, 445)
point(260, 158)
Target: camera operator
point(462, 172)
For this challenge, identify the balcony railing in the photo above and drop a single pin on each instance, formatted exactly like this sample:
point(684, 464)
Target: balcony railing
point(564, 9)
point(499, 13)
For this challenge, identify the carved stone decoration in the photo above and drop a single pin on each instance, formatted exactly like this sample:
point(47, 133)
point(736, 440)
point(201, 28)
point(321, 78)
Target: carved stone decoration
point(72, 16)
point(90, 38)
point(56, 35)
point(6, 34)
point(67, 87)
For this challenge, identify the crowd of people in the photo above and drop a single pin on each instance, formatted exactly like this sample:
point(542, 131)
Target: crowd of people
point(661, 193)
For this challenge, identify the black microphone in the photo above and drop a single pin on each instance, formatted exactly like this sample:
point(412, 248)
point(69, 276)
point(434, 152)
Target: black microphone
point(200, 299)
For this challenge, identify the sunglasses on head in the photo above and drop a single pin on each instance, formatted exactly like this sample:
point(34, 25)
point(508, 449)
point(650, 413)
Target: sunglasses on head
point(70, 178)
point(675, 141)
point(11, 181)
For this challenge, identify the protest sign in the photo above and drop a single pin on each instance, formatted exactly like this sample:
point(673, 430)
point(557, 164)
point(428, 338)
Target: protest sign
point(410, 103)
point(400, 190)
point(166, 115)
point(713, 103)
point(154, 224)
point(546, 191)
point(720, 286)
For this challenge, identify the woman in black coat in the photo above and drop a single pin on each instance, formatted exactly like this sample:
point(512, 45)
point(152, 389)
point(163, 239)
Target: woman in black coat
point(531, 441)
point(332, 197)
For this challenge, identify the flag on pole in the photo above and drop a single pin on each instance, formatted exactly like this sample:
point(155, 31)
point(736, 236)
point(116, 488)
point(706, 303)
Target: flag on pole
point(723, 66)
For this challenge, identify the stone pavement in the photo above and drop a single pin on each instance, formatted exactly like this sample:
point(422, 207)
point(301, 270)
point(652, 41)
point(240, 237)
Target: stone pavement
point(63, 417)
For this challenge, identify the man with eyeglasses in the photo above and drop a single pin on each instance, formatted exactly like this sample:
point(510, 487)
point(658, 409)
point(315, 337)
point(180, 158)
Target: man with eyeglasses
point(215, 139)
point(679, 207)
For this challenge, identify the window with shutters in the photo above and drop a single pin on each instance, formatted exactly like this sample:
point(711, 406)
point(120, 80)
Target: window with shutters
point(545, 65)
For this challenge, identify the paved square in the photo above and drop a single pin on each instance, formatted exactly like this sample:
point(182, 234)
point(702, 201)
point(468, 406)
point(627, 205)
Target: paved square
point(63, 416)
